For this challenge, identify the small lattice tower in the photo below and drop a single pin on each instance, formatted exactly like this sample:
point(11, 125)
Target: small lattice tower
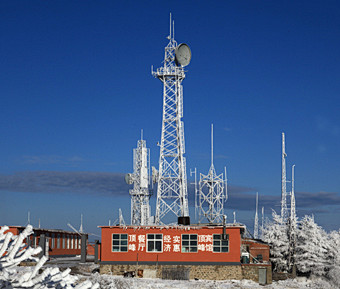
point(212, 193)
point(140, 194)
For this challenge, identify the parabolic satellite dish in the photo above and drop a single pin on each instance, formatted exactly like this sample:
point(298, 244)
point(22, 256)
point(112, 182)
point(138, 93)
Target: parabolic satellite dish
point(129, 179)
point(183, 54)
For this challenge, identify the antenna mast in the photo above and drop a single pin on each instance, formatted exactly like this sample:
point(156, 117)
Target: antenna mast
point(256, 221)
point(81, 230)
point(172, 196)
point(284, 211)
point(211, 196)
point(140, 194)
point(262, 224)
point(292, 201)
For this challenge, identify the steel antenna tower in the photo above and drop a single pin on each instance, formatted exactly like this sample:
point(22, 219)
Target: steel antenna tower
point(284, 210)
point(292, 202)
point(140, 194)
point(262, 223)
point(212, 192)
point(172, 196)
point(292, 226)
point(256, 221)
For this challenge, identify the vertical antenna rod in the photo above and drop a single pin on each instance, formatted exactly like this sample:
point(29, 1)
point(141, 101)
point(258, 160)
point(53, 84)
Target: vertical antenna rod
point(283, 181)
point(292, 199)
point(81, 230)
point(170, 36)
point(212, 144)
point(256, 221)
point(262, 219)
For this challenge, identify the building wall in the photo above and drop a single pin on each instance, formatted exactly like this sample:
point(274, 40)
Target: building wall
point(171, 245)
point(256, 248)
point(208, 272)
point(60, 243)
point(251, 272)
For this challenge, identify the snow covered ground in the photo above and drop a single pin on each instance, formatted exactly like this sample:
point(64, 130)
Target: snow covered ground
point(118, 282)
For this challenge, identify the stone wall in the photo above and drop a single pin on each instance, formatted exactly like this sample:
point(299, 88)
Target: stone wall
point(208, 272)
point(251, 272)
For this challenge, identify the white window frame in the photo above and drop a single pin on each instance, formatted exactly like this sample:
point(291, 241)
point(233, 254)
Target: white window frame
point(154, 240)
point(52, 241)
point(190, 244)
point(58, 241)
point(120, 243)
point(220, 245)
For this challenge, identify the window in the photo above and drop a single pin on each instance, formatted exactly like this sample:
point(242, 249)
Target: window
point(119, 242)
point(68, 242)
point(71, 242)
point(79, 243)
point(189, 243)
point(155, 242)
point(58, 241)
point(63, 241)
point(52, 241)
point(220, 245)
point(76, 242)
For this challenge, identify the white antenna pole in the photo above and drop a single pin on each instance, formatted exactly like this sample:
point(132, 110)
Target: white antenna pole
point(292, 199)
point(234, 213)
point(212, 144)
point(226, 183)
point(39, 224)
point(121, 219)
point(256, 221)
point(141, 134)
point(196, 207)
point(283, 181)
point(68, 224)
point(170, 27)
point(293, 180)
point(81, 224)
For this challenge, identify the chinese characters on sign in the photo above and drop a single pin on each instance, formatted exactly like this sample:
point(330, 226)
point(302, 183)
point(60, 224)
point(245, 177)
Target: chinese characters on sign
point(170, 243)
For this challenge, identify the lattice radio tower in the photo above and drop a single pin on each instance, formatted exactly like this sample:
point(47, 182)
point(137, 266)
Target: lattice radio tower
point(140, 194)
point(212, 192)
point(172, 197)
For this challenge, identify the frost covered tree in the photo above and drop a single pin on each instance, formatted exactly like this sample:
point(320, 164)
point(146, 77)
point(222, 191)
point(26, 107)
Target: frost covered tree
point(312, 248)
point(292, 239)
point(334, 256)
point(13, 251)
point(275, 234)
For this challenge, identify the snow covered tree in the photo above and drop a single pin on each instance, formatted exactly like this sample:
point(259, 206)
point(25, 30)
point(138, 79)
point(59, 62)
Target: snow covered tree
point(292, 238)
point(13, 251)
point(312, 248)
point(334, 256)
point(275, 234)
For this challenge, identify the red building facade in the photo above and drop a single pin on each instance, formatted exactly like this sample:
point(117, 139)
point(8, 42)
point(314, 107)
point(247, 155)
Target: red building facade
point(171, 245)
point(58, 242)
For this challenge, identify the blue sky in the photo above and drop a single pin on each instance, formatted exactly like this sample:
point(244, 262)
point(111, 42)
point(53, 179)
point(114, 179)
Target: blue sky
point(76, 89)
